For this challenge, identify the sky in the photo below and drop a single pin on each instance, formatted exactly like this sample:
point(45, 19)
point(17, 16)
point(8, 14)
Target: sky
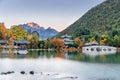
point(58, 14)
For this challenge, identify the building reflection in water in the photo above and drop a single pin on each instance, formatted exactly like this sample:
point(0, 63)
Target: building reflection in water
point(77, 56)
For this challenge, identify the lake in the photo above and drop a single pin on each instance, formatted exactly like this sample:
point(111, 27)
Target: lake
point(60, 66)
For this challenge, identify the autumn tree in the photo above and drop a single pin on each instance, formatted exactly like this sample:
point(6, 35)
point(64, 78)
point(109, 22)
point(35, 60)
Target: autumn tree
point(18, 33)
point(79, 42)
point(29, 37)
point(33, 39)
point(3, 31)
point(58, 43)
point(92, 39)
point(104, 40)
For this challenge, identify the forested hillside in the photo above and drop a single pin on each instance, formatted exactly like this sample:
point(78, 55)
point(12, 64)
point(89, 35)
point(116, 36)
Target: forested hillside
point(102, 19)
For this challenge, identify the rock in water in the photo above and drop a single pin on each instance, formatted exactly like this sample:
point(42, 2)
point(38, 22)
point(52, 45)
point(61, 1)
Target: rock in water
point(32, 72)
point(22, 72)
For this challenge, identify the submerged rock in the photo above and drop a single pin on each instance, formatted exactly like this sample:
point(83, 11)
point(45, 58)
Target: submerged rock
point(31, 72)
point(22, 72)
point(3, 73)
point(10, 72)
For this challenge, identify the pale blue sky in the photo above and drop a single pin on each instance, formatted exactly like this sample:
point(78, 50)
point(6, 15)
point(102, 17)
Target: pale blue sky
point(57, 14)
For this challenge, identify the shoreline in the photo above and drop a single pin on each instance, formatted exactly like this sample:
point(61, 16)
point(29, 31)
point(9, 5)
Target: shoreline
point(65, 49)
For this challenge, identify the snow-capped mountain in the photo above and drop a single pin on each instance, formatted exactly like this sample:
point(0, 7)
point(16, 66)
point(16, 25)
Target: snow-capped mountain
point(43, 33)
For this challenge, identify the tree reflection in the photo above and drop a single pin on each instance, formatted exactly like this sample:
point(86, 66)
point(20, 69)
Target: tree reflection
point(77, 56)
point(103, 58)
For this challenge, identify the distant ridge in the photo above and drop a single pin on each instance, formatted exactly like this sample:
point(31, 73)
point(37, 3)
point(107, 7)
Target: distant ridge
point(43, 33)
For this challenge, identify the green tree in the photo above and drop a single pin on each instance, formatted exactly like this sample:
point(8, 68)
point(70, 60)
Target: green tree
point(18, 33)
point(41, 44)
point(115, 32)
point(34, 41)
point(116, 41)
point(49, 43)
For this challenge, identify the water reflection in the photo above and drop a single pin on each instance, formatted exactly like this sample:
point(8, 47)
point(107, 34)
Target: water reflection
point(78, 56)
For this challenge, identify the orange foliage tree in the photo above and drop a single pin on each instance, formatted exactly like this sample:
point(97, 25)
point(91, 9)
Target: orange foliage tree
point(79, 42)
point(58, 43)
point(3, 31)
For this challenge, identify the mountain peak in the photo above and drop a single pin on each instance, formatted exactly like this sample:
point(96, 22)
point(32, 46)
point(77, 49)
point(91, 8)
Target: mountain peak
point(33, 25)
point(49, 28)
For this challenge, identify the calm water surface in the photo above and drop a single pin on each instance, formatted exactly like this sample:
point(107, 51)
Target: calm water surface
point(60, 66)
